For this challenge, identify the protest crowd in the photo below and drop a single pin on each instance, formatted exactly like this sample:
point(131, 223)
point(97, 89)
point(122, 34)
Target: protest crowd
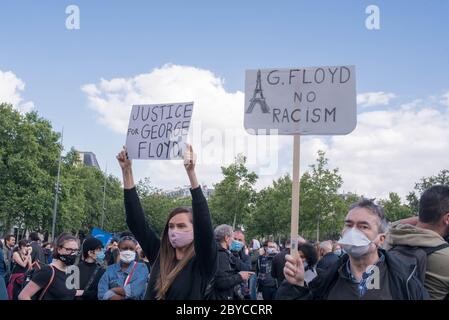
point(191, 260)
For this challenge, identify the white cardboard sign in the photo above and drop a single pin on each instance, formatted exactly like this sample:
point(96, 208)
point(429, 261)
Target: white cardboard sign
point(305, 101)
point(158, 131)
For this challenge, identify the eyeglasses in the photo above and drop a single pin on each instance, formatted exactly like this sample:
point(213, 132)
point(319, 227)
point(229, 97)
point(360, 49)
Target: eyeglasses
point(71, 251)
point(124, 238)
point(127, 238)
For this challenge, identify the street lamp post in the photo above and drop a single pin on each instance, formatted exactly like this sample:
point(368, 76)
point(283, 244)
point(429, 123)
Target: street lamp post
point(55, 207)
point(104, 197)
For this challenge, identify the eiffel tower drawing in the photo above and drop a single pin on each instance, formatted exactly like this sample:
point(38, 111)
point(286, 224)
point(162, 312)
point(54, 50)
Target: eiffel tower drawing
point(258, 97)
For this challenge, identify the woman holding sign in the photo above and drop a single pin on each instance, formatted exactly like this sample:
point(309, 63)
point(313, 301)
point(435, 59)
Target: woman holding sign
point(185, 259)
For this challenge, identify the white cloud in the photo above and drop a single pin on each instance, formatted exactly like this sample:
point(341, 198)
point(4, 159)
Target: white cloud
point(445, 99)
point(11, 88)
point(370, 99)
point(389, 150)
point(112, 99)
point(217, 122)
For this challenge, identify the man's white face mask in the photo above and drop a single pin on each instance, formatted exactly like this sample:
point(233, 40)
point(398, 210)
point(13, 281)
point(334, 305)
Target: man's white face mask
point(355, 243)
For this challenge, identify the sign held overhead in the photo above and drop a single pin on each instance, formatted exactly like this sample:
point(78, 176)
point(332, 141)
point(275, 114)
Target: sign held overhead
point(305, 101)
point(158, 131)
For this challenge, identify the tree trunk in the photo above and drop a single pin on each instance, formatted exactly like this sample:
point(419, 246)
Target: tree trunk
point(7, 225)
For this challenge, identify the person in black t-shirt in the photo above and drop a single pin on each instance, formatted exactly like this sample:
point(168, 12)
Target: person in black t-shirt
point(91, 268)
point(184, 261)
point(51, 282)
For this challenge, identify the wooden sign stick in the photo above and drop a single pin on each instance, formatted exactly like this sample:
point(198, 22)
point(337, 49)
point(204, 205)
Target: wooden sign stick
point(295, 195)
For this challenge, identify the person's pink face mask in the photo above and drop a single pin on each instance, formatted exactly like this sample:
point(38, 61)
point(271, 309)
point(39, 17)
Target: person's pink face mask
point(180, 239)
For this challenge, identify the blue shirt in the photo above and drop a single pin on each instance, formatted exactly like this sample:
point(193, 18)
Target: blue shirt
point(2, 264)
point(365, 276)
point(115, 277)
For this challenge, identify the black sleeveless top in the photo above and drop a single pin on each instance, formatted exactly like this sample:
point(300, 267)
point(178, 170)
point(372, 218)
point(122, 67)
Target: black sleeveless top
point(17, 268)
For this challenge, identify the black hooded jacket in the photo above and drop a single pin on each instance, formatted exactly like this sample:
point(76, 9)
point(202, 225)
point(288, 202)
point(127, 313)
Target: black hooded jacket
point(227, 277)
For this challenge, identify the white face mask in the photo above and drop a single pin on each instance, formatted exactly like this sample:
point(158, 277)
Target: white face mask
point(355, 243)
point(127, 256)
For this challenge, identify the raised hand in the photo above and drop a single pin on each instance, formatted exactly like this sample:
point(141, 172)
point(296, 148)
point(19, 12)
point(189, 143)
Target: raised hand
point(294, 270)
point(189, 165)
point(123, 160)
point(126, 165)
point(189, 158)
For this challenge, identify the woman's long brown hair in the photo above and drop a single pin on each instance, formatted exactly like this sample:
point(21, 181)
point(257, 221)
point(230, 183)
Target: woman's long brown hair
point(169, 266)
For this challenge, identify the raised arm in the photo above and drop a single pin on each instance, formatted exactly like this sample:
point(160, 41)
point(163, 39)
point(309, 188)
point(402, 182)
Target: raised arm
point(205, 245)
point(17, 259)
point(135, 218)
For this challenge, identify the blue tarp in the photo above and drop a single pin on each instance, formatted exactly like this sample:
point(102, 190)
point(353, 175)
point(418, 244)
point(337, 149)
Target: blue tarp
point(101, 235)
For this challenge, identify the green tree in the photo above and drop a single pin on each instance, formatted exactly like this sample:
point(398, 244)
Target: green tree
point(114, 220)
point(81, 200)
point(233, 196)
point(157, 205)
point(271, 214)
point(394, 209)
point(322, 209)
point(72, 207)
point(442, 178)
point(28, 159)
point(29, 153)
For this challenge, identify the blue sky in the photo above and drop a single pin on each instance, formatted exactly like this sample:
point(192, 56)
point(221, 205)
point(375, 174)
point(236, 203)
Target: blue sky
point(408, 56)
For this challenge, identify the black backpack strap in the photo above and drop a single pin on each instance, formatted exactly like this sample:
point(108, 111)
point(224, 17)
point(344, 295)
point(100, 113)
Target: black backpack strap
point(430, 250)
point(92, 278)
point(44, 292)
point(209, 292)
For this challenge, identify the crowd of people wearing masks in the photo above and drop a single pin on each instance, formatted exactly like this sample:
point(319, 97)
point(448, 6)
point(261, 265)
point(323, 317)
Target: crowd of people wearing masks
point(191, 260)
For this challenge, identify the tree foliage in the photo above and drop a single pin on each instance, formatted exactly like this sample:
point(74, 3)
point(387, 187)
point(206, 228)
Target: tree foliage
point(234, 195)
point(29, 154)
point(442, 178)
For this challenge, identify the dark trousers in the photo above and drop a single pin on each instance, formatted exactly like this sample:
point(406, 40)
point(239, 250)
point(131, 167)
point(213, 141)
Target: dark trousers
point(269, 293)
point(3, 292)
